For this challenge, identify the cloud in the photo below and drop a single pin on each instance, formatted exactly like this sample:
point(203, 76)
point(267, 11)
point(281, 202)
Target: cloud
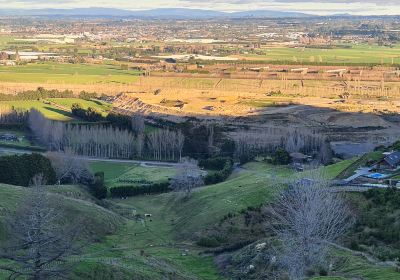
point(239, 2)
point(311, 6)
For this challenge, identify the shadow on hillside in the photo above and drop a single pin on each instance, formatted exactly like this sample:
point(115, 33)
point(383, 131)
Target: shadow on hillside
point(59, 111)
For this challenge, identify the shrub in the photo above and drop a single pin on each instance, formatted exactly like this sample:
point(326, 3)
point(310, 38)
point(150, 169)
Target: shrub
point(221, 175)
point(281, 157)
point(217, 163)
point(19, 169)
point(126, 191)
point(90, 114)
point(99, 190)
point(210, 242)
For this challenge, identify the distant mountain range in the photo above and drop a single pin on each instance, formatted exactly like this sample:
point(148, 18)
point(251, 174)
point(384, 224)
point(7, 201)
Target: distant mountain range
point(154, 13)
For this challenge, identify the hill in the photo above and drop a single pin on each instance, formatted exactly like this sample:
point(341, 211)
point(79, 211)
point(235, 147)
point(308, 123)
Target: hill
point(153, 13)
point(157, 239)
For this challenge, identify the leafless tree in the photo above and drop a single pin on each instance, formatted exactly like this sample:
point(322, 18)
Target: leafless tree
point(11, 115)
point(38, 244)
point(106, 141)
point(138, 125)
point(269, 139)
point(188, 177)
point(307, 218)
point(164, 144)
point(69, 169)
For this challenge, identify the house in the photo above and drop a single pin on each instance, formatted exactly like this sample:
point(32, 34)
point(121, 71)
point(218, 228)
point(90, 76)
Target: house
point(390, 161)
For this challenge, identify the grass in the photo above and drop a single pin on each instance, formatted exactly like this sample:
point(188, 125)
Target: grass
point(99, 105)
point(333, 170)
point(357, 267)
point(162, 245)
point(351, 54)
point(56, 73)
point(360, 162)
point(267, 103)
point(48, 110)
point(116, 174)
point(60, 108)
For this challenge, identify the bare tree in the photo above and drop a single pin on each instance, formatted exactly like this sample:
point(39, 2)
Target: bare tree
point(188, 177)
point(69, 169)
point(307, 218)
point(138, 124)
point(38, 246)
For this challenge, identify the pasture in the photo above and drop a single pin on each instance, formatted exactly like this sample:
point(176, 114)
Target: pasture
point(341, 55)
point(58, 108)
point(117, 174)
point(160, 245)
point(67, 73)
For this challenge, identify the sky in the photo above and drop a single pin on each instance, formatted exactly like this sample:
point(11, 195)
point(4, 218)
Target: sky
point(321, 7)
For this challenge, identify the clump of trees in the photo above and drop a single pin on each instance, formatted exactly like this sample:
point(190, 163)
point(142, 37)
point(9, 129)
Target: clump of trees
point(90, 114)
point(39, 93)
point(281, 157)
point(119, 120)
point(127, 191)
point(252, 143)
point(98, 188)
point(19, 169)
point(87, 95)
point(221, 167)
point(377, 211)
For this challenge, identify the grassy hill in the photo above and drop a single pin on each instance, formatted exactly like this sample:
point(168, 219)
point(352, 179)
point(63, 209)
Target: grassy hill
point(162, 245)
point(58, 108)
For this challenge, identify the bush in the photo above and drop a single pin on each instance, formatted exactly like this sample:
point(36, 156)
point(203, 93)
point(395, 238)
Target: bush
point(221, 175)
point(90, 114)
point(245, 158)
point(98, 189)
point(20, 169)
point(281, 157)
point(209, 242)
point(126, 191)
point(217, 163)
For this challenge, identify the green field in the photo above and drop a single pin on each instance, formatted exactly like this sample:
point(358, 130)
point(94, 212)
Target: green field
point(355, 54)
point(60, 73)
point(61, 112)
point(99, 105)
point(48, 110)
point(117, 174)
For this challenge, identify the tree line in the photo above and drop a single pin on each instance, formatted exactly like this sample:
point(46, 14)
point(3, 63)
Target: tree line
point(42, 93)
point(11, 115)
point(266, 142)
point(105, 141)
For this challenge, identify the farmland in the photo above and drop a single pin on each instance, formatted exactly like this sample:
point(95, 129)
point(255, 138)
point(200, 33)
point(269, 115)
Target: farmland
point(58, 108)
point(192, 149)
point(165, 237)
point(117, 174)
point(64, 73)
point(345, 55)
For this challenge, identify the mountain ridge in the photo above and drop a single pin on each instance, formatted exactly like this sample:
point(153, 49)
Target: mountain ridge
point(152, 13)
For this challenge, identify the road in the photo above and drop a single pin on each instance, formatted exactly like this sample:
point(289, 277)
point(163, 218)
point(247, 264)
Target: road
point(145, 163)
